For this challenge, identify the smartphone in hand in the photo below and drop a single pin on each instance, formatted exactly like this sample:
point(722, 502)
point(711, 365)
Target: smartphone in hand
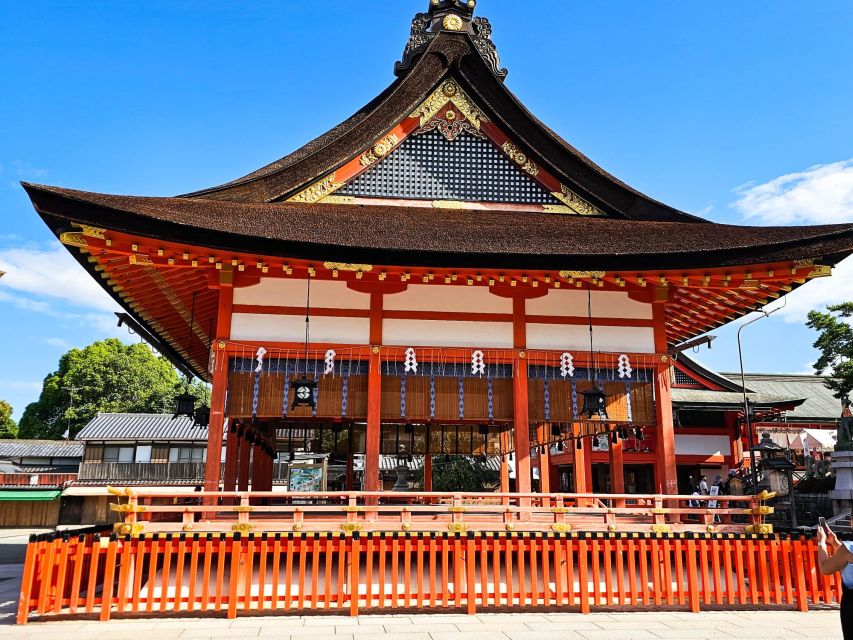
point(821, 522)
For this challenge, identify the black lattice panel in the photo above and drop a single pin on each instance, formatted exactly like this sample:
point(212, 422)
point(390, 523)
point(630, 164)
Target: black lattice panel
point(429, 167)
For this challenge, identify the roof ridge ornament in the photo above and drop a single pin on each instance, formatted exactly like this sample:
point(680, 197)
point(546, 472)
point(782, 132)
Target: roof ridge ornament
point(450, 15)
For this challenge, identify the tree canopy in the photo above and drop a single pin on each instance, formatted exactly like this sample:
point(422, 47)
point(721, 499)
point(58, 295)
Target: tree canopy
point(8, 427)
point(835, 344)
point(462, 473)
point(106, 376)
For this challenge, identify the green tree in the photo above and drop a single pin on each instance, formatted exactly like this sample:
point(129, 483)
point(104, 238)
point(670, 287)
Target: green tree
point(106, 376)
point(835, 344)
point(8, 427)
point(461, 473)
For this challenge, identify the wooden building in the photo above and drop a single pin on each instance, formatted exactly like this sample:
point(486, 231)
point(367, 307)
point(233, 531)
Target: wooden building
point(477, 285)
point(440, 273)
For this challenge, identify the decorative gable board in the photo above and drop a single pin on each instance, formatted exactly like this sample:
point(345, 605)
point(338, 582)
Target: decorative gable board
point(428, 166)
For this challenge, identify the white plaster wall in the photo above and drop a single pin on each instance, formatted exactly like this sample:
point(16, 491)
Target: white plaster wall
point(274, 328)
point(567, 336)
point(287, 292)
point(447, 297)
point(689, 445)
point(437, 333)
point(605, 304)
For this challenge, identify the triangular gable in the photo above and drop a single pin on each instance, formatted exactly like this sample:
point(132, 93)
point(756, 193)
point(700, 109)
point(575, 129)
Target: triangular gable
point(467, 167)
point(447, 152)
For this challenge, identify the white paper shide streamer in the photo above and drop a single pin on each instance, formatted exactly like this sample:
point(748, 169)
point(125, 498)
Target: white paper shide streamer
point(478, 365)
point(567, 365)
point(259, 356)
point(330, 362)
point(410, 363)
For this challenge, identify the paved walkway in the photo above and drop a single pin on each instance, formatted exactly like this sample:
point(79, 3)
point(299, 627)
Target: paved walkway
point(779, 625)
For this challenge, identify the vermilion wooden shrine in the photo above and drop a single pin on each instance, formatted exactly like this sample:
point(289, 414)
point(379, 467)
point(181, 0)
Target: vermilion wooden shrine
point(474, 280)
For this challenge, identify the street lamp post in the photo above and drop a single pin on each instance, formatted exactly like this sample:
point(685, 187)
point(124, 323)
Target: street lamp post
point(746, 409)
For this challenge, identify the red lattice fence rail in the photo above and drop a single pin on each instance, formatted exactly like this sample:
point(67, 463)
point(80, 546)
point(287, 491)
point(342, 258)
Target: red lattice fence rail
point(99, 574)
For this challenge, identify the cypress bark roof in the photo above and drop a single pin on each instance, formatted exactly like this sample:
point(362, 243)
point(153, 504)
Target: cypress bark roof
point(414, 236)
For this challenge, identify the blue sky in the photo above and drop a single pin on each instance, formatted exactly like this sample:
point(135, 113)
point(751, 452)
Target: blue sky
point(737, 111)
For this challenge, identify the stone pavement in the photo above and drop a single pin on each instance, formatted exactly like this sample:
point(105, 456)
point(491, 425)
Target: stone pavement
point(655, 625)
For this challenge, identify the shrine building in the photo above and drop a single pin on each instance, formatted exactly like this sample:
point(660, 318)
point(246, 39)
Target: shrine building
point(440, 274)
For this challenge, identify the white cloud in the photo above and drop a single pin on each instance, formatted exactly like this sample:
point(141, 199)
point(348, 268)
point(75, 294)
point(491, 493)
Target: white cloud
point(822, 194)
point(24, 304)
point(51, 273)
point(57, 342)
point(26, 171)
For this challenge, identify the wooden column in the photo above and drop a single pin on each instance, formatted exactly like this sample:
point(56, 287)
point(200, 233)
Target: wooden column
point(519, 396)
point(428, 472)
point(229, 478)
point(735, 443)
point(504, 463)
point(244, 465)
point(665, 432)
point(580, 465)
point(257, 467)
point(544, 459)
point(617, 469)
point(220, 380)
point(374, 398)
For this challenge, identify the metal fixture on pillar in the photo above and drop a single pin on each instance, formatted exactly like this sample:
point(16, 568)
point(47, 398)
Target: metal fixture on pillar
point(594, 400)
point(303, 388)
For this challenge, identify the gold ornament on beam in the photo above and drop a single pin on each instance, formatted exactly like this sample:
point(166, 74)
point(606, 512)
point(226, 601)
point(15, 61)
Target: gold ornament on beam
point(317, 191)
point(582, 274)
point(451, 92)
point(520, 159)
point(575, 202)
point(73, 239)
point(348, 266)
point(379, 150)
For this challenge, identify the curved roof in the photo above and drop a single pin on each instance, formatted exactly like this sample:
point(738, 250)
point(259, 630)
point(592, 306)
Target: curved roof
point(452, 55)
point(617, 228)
point(414, 236)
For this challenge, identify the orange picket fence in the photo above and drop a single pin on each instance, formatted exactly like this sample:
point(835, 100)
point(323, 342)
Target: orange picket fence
point(96, 573)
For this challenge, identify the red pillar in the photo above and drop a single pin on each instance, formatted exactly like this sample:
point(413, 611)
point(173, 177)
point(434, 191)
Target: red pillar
point(220, 381)
point(504, 462)
point(544, 460)
point(257, 467)
point(428, 472)
point(581, 460)
point(245, 463)
point(373, 436)
point(519, 397)
point(665, 440)
point(617, 469)
point(232, 444)
point(374, 423)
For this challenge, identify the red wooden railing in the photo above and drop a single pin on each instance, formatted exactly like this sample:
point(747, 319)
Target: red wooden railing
point(255, 512)
point(98, 574)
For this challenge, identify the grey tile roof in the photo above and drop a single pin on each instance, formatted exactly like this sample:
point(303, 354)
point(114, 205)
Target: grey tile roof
point(684, 397)
point(820, 404)
point(40, 449)
point(142, 426)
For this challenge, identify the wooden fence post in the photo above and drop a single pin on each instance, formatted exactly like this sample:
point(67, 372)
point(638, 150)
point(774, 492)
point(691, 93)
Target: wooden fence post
point(109, 577)
point(27, 583)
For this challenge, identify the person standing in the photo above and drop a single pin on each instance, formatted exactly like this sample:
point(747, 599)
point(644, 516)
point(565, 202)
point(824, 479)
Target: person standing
point(703, 486)
point(834, 556)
